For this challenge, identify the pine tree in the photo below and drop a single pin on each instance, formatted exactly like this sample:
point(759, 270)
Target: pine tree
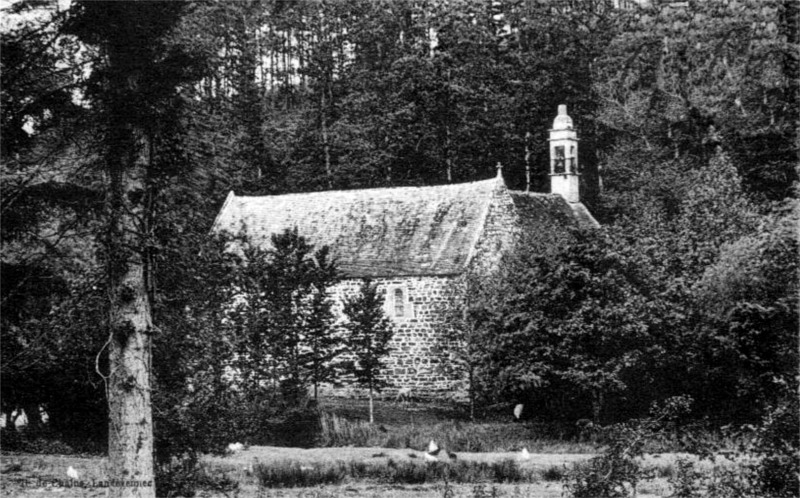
point(134, 91)
point(368, 334)
point(322, 346)
point(285, 318)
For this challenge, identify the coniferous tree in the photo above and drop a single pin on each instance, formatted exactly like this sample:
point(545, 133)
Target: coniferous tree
point(284, 316)
point(322, 345)
point(368, 334)
point(133, 90)
point(461, 341)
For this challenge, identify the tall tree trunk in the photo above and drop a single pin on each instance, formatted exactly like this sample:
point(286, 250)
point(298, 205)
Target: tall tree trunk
point(471, 393)
point(130, 439)
point(326, 148)
point(527, 162)
point(371, 408)
point(448, 134)
point(597, 405)
point(449, 156)
point(34, 416)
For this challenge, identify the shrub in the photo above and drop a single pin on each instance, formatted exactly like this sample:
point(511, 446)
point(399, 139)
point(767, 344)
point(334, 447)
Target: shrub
point(183, 476)
point(617, 472)
point(39, 442)
point(554, 473)
point(778, 444)
point(685, 480)
point(774, 470)
point(177, 478)
point(292, 474)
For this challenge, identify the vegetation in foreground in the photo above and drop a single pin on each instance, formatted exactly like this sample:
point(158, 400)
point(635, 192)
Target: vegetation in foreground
point(763, 464)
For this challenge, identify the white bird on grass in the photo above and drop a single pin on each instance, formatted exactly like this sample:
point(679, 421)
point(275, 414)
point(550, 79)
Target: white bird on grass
point(524, 455)
point(235, 447)
point(433, 451)
point(518, 411)
point(72, 473)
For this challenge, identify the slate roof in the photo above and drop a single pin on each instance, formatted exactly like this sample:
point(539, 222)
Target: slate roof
point(386, 232)
point(537, 210)
point(373, 232)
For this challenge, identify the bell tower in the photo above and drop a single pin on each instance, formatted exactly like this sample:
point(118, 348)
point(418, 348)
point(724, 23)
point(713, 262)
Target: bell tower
point(564, 171)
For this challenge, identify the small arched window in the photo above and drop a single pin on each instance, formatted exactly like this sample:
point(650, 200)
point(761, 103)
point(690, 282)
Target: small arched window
point(399, 303)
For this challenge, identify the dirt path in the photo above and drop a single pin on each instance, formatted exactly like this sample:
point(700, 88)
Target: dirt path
point(267, 454)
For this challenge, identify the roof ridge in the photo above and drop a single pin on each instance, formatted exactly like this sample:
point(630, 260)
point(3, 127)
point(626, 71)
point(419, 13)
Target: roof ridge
point(228, 199)
point(533, 194)
point(373, 189)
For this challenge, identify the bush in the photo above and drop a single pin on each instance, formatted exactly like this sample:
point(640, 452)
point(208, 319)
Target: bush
point(778, 444)
point(617, 471)
point(40, 442)
point(178, 477)
point(554, 473)
point(292, 474)
point(183, 476)
point(775, 469)
point(297, 427)
point(685, 480)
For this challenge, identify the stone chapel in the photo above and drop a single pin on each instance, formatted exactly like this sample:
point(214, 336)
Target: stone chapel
point(414, 241)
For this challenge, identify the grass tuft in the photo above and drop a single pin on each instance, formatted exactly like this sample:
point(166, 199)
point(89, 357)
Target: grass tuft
point(292, 474)
point(554, 473)
point(339, 431)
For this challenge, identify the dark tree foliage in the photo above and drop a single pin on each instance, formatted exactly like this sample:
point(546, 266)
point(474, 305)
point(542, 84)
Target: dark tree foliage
point(50, 343)
point(368, 332)
point(39, 73)
point(683, 80)
point(50, 288)
point(283, 317)
point(747, 319)
point(363, 94)
point(194, 403)
point(571, 329)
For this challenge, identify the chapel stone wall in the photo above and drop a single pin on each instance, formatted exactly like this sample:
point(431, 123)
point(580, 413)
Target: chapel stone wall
point(413, 361)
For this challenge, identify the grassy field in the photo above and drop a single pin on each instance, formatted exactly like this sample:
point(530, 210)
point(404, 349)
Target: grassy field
point(357, 459)
point(42, 475)
point(412, 425)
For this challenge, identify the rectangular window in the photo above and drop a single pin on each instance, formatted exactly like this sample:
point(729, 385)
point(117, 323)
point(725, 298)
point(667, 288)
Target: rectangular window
point(558, 159)
point(573, 160)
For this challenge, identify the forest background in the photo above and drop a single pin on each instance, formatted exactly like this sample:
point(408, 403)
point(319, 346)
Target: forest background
point(688, 119)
